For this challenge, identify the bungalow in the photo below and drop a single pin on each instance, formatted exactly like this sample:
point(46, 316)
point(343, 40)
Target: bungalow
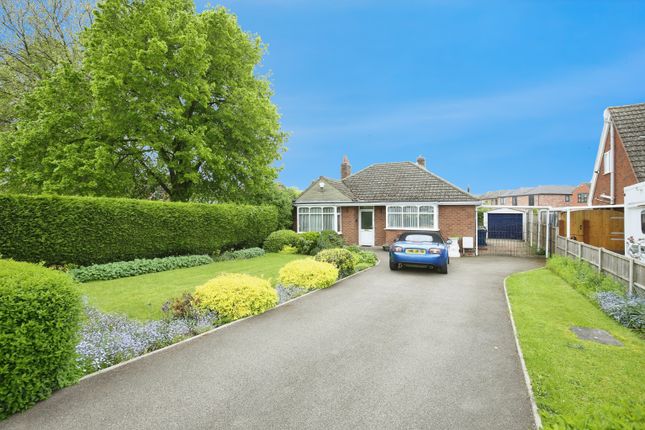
point(374, 205)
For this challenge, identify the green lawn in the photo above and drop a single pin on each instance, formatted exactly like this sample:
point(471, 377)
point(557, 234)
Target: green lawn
point(141, 297)
point(586, 383)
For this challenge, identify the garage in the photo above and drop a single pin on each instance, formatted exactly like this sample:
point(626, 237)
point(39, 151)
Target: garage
point(505, 224)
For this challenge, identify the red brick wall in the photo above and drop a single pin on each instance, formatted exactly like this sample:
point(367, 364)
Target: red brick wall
point(582, 188)
point(553, 200)
point(379, 226)
point(624, 173)
point(349, 224)
point(457, 221)
point(453, 221)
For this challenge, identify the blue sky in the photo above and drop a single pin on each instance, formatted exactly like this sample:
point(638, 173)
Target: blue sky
point(495, 95)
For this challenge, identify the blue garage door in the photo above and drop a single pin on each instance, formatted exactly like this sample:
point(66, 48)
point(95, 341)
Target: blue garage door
point(505, 226)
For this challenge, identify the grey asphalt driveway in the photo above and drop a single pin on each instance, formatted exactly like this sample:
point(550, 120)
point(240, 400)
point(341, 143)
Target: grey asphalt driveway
point(409, 349)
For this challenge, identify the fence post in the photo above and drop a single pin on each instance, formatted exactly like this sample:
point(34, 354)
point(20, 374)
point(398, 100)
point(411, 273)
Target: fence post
point(566, 247)
point(600, 260)
point(579, 250)
point(631, 277)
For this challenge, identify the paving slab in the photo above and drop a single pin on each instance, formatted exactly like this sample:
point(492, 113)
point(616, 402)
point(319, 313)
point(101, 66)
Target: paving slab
point(406, 349)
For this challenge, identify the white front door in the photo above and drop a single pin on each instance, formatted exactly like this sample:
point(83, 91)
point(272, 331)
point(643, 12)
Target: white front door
point(366, 227)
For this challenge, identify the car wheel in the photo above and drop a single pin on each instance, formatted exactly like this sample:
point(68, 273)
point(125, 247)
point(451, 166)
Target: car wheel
point(394, 266)
point(443, 269)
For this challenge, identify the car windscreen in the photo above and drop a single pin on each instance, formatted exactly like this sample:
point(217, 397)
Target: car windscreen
point(421, 237)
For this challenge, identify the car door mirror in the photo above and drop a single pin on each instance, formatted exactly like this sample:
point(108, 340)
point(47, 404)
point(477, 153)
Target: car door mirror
point(449, 242)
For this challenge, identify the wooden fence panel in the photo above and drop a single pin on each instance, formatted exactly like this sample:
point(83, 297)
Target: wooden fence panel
point(572, 248)
point(627, 271)
point(590, 254)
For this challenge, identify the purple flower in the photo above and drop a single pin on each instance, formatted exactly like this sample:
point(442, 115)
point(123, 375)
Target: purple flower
point(107, 339)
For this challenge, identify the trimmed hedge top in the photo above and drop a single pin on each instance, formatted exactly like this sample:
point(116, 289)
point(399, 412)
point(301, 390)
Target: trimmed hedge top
point(90, 230)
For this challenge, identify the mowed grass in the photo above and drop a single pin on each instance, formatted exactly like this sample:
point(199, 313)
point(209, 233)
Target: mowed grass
point(578, 380)
point(141, 297)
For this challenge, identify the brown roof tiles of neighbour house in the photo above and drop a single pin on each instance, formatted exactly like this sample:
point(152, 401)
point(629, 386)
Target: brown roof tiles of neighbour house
point(388, 182)
point(630, 123)
point(527, 191)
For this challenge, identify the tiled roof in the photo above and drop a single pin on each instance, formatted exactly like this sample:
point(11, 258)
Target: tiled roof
point(527, 191)
point(387, 182)
point(630, 123)
point(403, 182)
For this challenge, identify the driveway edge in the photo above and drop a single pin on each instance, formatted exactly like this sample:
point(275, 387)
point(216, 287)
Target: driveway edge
point(527, 379)
point(211, 331)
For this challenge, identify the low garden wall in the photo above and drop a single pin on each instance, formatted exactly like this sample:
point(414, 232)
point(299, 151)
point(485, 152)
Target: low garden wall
point(90, 230)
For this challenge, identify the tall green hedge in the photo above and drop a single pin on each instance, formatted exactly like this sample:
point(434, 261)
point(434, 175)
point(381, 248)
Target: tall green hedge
point(90, 230)
point(40, 313)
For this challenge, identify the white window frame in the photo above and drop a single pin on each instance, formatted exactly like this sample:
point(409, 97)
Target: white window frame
point(608, 162)
point(435, 209)
point(337, 217)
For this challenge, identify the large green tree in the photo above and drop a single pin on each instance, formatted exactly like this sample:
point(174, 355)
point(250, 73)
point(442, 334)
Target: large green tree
point(166, 98)
point(36, 36)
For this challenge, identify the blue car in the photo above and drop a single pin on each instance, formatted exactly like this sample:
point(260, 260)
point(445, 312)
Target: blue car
point(420, 248)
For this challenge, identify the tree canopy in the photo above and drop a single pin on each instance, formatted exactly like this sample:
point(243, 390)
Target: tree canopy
point(166, 99)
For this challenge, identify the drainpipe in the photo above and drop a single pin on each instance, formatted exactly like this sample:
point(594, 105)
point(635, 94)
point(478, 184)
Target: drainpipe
point(476, 233)
point(568, 223)
point(612, 151)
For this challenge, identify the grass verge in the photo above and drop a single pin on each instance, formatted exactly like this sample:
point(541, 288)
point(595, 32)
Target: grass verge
point(141, 297)
point(576, 383)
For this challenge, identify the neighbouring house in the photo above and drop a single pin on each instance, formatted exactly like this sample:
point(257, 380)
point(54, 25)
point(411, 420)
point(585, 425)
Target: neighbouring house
point(620, 161)
point(542, 195)
point(581, 195)
point(374, 205)
point(620, 164)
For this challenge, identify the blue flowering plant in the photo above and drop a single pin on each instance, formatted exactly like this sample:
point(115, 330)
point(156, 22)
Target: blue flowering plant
point(108, 339)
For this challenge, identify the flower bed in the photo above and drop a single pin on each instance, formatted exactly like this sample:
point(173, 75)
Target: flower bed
point(604, 291)
point(108, 339)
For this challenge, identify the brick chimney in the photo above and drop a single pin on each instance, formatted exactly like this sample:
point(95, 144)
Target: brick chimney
point(345, 168)
point(421, 161)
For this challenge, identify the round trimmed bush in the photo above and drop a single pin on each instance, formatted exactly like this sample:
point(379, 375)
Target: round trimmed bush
point(236, 295)
point(279, 239)
point(307, 243)
point(344, 260)
point(308, 273)
point(40, 312)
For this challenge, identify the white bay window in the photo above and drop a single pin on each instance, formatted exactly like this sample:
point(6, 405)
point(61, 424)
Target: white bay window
point(318, 218)
point(412, 217)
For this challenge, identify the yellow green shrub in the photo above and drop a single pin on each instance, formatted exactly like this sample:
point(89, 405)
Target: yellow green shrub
point(309, 274)
point(236, 295)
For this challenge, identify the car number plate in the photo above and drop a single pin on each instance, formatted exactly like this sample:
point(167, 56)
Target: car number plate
point(415, 251)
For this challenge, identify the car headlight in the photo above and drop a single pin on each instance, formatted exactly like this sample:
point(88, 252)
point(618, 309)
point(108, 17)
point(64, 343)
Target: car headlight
point(434, 251)
point(397, 249)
